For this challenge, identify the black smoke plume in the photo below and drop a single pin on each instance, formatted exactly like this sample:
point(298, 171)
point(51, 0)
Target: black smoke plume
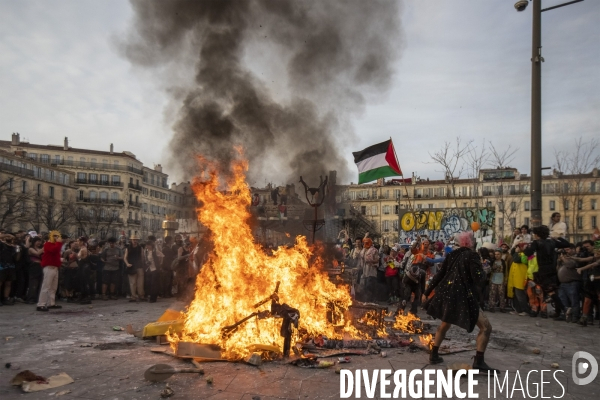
point(280, 78)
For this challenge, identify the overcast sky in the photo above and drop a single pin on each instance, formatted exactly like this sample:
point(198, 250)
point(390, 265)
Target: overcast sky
point(464, 71)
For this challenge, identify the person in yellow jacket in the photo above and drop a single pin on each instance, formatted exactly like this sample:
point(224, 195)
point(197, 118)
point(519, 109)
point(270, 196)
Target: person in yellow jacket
point(517, 282)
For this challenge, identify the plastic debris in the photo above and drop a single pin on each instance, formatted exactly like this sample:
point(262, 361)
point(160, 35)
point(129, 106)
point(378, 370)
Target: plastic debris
point(209, 380)
point(118, 328)
point(536, 351)
point(554, 365)
point(254, 359)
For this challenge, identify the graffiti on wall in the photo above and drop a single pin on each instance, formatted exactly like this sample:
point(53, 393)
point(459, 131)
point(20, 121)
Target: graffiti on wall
point(442, 224)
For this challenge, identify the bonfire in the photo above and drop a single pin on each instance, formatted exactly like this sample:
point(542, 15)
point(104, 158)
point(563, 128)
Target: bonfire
point(240, 280)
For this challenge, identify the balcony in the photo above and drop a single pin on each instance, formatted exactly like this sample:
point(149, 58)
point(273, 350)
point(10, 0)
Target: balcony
point(90, 165)
point(96, 182)
point(135, 204)
point(99, 201)
point(134, 186)
point(133, 221)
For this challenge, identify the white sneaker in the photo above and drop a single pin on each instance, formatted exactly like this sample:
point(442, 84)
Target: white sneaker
point(523, 314)
point(513, 313)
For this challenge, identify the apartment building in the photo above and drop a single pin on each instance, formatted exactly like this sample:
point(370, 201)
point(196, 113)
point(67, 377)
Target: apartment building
point(33, 194)
point(498, 199)
point(115, 192)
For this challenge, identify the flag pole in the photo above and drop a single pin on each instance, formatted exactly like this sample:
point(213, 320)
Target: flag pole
point(405, 188)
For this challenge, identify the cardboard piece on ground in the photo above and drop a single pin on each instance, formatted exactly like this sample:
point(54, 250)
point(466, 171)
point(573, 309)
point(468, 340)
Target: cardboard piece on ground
point(162, 339)
point(263, 347)
point(53, 382)
point(161, 328)
point(159, 349)
point(198, 351)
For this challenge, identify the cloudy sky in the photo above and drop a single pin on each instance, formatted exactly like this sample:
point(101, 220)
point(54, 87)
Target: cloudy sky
point(464, 70)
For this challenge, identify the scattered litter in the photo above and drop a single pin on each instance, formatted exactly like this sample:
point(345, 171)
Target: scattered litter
point(167, 392)
point(63, 392)
point(342, 360)
point(118, 328)
point(338, 370)
point(537, 324)
point(122, 379)
point(26, 376)
point(50, 383)
point(9, 337)
point(198, 350)
point(209, 380)
point(383, 354)
point(554, 365)
point(100, 315)
point(535, 351)
point(161, 372)
point(86, 345)
point(159, 349)
point(7, 365)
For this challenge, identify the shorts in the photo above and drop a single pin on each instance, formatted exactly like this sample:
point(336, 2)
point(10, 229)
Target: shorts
point(8, 275)
point(110, 277)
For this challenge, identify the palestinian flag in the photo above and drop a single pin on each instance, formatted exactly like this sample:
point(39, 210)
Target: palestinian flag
point(377, 161)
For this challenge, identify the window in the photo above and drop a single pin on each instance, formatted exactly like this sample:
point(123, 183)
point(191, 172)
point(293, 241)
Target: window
point(93, 195)
point(10, 183)
point(501, 223)
point(104, 163)
point(526, 221)
point(70, 160)
point(152, 179)
point(594, 222)
point(65, 194)
point(33, 156)
point(513, 223)
point(363, 210)
point(430, 205)
point(527, 207)
point(104, 196)
point(116, 180)
point(396, 209)
point(114, 196)
point(82, 161)
point(57, 159)
point(116, 164)
point(552, 205)
point(130, 215)
point(51, 192)
point(40, 190)
point(567, 221)
point(395, 225)
point(385, 226)
point(419, 206)
point(566, 204)
point(501, 206)
point(465, 205)
point(93, 162)
point(45, 158)
point(593, 204)
point(93, 178)
point(579, 222)
point(489, 204)
point(579, 204)
point(593, 187)
point(80, 195)
point(104, 179)
point(386, 209)
point(373, 210)
point(24, 187)
point(513, 206)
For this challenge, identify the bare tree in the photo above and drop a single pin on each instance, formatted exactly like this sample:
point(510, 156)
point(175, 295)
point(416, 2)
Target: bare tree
point(575, 170)
point(48, 213)
point(509, 199)
point(13, 202)
point(451, 158)
point(476, 159)
point(95, 218)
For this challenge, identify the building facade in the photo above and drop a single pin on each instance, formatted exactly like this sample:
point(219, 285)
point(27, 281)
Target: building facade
point(499, 200)
point(115, 194)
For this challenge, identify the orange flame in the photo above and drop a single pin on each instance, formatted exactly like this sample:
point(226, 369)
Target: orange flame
point(238, 275)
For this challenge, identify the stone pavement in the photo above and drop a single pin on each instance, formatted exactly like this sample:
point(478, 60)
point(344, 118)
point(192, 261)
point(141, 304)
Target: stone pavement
point(59, 341)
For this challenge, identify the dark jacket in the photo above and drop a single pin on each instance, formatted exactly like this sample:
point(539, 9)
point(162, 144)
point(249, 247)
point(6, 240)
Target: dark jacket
point(457, 289)
point(544, 250)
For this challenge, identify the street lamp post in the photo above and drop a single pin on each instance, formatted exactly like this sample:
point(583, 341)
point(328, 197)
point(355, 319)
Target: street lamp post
point(536, 105)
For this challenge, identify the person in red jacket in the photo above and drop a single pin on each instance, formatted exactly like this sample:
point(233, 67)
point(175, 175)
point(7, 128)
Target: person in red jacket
point(50, 264)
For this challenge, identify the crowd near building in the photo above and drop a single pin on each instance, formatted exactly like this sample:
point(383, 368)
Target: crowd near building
point(86, 192)
point(499, 199)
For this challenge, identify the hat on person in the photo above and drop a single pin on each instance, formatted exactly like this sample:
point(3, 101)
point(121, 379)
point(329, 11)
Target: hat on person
point(32, 233)
point(134, 237)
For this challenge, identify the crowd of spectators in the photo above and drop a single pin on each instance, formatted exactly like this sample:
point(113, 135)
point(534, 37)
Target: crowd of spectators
point(43, 268)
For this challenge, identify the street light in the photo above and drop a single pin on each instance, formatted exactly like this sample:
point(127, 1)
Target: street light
point(536, 105)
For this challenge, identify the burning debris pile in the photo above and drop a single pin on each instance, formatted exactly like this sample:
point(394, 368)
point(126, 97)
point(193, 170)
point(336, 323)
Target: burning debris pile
point(246, 299)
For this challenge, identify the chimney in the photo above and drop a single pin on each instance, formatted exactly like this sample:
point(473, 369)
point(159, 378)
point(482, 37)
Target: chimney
point(16, 139)
point(66, 144)
point(158, 168)
point(111, 148)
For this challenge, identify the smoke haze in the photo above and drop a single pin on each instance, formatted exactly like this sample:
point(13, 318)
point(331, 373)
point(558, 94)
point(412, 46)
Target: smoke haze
point(283, 79)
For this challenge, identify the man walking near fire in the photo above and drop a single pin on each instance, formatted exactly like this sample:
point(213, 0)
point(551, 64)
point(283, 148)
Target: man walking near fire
point(457, 298)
